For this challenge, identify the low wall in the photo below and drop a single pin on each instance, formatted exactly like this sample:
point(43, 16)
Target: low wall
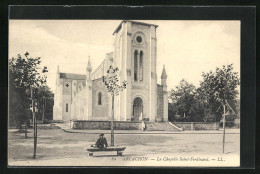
point(197, 125)
point(105, 125)
point(54, 121)
point(230, 125)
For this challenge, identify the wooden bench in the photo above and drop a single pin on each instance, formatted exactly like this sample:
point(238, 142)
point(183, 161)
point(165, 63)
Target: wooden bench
point(118, 149)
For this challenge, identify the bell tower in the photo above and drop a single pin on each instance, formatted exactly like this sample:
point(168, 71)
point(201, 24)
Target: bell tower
point(135, 47)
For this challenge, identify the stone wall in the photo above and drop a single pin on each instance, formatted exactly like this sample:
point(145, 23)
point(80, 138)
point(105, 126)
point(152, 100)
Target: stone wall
point(197, 125)
point(105, 125)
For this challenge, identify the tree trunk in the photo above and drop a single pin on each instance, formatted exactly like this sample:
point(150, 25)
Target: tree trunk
point(34, 125)
point(25, 133)
point(112, 123)
point(43, 109)
point(224, 127)
point(36, 133)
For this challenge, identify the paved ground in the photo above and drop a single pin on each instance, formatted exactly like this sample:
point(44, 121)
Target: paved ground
point(57, 147)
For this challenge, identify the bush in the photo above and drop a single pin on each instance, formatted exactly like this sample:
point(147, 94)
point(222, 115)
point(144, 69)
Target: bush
point(227, 124)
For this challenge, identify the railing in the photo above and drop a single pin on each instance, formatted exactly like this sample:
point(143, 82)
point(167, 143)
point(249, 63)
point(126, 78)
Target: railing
point(176, 127)
point(197, 125)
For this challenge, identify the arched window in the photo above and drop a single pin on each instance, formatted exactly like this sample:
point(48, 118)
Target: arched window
point(135, 65)
point(141, 66)
point(99, 98)
point(67, 107)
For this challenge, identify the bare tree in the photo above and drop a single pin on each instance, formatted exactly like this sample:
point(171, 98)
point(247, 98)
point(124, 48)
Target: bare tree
point(112, 83)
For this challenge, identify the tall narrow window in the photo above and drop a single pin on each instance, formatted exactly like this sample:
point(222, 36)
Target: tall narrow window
point(67, 107)
point(141, 66)
point(135, 65)
point(99, 98)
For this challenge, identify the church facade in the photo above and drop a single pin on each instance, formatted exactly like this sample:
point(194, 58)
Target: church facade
point(85, 96)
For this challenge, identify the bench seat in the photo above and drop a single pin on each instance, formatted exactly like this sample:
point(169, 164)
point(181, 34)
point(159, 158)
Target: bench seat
point(115, 148)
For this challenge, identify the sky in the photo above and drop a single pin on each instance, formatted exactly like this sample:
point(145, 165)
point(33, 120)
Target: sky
point(186, 48)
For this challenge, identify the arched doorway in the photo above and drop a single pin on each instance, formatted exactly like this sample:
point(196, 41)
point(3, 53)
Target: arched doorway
point(137, 109)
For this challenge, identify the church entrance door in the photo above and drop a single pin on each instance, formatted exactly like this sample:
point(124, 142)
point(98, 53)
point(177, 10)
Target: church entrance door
point(137, 109)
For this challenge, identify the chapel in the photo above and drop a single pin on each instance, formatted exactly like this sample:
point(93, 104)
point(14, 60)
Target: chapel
point(85, 96)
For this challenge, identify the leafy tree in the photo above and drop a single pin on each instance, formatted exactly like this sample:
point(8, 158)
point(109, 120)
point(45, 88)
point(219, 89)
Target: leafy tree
point(24, 72)
point(112, 83)
point(219, 86)
point(25, 79)
point(45, 101)
point(205, 102)
point(19, 105)
point(206, 107)
point(238, 108)
point(172, 112)
point(182, 100)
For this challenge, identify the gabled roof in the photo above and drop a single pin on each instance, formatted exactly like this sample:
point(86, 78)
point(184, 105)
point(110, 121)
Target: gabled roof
point(134, 22)
point(73, 76)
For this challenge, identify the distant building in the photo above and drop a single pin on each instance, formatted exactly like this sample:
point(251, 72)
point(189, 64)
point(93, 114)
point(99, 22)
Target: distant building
point(85, 97)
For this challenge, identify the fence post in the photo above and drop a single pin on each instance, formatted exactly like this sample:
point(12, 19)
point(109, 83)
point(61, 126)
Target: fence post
point(191, 126)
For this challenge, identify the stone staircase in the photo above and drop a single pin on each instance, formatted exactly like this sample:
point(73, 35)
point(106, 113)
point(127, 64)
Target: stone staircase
point(161, 126)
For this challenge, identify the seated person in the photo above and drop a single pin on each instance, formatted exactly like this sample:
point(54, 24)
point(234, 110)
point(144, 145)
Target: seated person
point(101, 142)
